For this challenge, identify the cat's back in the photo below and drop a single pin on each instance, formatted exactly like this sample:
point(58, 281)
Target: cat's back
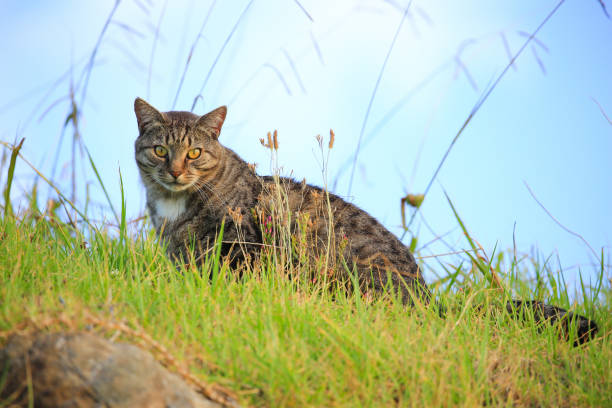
point(370, 243)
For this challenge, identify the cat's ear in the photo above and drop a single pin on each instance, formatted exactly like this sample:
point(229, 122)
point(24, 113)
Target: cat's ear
point(214, 120)
point(147, 115)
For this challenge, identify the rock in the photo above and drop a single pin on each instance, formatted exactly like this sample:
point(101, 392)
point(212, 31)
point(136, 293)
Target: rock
point(83, 370)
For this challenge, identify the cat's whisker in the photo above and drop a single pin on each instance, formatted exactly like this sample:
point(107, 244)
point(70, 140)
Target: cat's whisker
point(213, 191)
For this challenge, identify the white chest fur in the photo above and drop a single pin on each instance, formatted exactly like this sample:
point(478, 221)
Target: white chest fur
point(169, 208)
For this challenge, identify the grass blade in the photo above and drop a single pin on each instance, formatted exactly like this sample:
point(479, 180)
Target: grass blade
point(9, 181)
point(367, 115)
point(227, 40)
point(123, 223)
point(479, 104)
point(110, 203)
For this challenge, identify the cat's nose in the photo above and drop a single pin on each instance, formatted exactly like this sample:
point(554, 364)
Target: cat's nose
point(175, 173)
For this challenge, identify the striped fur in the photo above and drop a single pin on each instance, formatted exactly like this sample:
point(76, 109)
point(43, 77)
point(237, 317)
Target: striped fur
point(188, 210)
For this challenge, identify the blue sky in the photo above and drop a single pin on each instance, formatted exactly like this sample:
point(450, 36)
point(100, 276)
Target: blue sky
point(306, 73)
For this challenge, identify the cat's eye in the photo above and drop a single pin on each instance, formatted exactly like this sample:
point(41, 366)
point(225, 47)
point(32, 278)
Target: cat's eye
point(194, 153)
point(161, 151)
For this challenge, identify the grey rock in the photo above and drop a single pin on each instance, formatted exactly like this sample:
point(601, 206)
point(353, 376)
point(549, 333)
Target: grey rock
point(84, 370)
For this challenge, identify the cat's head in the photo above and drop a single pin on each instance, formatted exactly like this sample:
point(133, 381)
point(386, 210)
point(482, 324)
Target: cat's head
point(177, 151)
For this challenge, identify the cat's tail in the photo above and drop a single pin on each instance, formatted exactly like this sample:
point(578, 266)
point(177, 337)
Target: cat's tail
point(414, 290)
point(586, 329)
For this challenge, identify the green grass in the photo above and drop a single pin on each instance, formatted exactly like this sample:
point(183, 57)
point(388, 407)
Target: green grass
point(276, 341)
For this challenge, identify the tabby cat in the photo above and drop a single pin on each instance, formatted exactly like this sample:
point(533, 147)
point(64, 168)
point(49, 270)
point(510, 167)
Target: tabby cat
point(194, 185)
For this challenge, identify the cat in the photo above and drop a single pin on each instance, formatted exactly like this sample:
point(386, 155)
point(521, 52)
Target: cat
point(194, 184)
